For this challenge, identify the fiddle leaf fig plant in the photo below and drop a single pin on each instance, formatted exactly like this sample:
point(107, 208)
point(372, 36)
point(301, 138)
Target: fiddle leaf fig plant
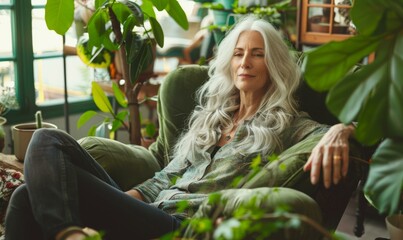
point(373, 95)
point(120, 26)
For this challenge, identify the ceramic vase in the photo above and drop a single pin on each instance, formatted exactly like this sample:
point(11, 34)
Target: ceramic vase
point(21, 135)
point(394, 224)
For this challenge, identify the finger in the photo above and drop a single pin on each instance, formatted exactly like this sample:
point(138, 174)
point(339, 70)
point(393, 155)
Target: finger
point(316, 166)
point(346, 161)
point(336, 166)
point(308, 164)
point(327, 166)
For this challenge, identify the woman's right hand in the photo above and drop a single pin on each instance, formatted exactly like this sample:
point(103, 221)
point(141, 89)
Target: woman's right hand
point(136, 194)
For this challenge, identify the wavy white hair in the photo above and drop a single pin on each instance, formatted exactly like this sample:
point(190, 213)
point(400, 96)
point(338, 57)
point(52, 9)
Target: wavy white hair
point(218, 98)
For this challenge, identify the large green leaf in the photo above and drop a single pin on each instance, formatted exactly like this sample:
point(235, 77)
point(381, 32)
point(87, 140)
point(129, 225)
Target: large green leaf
point(134, 43)
point(157, 31)
point(85, 117)
point(385, 179)
point(136, 12)
point(160, 4)
point(100, 99)
point(372, 118)
point(141, 62)
point(59, 15)
point(121, 11)
point(107, 41)
point(148, 8)
point(119, 119)
point(345, 99)
point(99, 3)
point(377, 91)
point(96, 27)
point(326, 65)
point(119, 95)
point(176, 12)
point(395, 118)
point(366, 15)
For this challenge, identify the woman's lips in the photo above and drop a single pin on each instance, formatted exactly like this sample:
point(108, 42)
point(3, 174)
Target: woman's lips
point(243, 75)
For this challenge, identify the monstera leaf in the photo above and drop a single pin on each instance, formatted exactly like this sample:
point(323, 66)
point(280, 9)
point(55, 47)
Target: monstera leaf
point(373, 95)
point(384, 187)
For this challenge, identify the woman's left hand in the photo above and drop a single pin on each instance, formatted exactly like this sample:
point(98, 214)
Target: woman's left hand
point(331, 155)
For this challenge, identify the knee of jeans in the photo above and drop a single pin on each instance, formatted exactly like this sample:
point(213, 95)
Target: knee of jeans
point(44, 133)
point(19, 199)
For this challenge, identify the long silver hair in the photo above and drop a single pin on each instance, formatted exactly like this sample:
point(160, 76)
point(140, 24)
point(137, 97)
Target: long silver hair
point(218, 98)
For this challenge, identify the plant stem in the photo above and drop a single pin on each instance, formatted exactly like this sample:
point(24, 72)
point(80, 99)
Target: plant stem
point(130, 90)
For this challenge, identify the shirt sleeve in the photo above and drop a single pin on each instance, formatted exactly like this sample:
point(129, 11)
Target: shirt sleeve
point(301, 127)
point(162, 180)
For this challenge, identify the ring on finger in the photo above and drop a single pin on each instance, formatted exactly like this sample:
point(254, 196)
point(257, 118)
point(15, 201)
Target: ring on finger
point(336, 157)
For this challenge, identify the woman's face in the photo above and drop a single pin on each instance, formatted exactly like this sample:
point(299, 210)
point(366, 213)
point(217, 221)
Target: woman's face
point(248, 67)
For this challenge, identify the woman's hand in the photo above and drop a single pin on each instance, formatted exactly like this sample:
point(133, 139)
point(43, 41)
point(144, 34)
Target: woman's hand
point(136, 194)
point(331, 154)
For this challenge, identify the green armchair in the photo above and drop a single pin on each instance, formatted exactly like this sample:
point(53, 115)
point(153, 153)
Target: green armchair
point(176, 101)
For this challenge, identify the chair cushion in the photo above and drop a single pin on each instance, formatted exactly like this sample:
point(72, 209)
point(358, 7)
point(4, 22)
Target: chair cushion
point(127, 164)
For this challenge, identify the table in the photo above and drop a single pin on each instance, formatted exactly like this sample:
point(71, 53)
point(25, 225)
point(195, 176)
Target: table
point(10, 161)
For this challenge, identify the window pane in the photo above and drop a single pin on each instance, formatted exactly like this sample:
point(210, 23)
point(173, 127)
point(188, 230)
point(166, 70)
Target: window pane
point(6, 48)
point(79, 77)
point(38, 2)
point(318, 19)
point(49, 84)
point(7, 74)
point(44, 40)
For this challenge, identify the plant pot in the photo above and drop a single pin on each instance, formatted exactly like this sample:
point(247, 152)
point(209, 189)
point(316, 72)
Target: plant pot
point(2, 133)
point(21, 135)
point(394, 224)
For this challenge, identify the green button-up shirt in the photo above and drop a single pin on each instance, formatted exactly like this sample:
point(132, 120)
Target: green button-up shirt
point(194, 177)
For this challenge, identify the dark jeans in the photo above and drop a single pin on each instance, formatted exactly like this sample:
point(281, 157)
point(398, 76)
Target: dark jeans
point(65, 187)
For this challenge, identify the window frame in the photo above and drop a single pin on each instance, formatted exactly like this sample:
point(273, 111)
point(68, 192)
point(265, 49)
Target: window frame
point(23, 59)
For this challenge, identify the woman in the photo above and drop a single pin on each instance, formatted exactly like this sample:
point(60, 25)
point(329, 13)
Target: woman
point(246, 108)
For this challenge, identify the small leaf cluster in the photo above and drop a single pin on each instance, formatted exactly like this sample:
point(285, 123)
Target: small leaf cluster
point(110, 118)
point(8, 100)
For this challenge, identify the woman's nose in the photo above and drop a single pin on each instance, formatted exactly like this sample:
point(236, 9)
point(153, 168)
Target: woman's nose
point(245, 63)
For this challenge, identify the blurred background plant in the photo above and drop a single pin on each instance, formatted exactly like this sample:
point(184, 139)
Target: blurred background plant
point(8, 100)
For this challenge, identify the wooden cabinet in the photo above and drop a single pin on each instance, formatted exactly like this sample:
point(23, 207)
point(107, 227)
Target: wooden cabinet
point(321, 21)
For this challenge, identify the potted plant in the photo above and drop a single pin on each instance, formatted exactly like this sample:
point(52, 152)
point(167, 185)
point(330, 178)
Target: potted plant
point(7, 101)
point(22, 133)
point(121, 26)
point(372, 96)
point(226, 13)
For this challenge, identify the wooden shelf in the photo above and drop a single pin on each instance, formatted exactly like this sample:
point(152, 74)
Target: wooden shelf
point(321, 21)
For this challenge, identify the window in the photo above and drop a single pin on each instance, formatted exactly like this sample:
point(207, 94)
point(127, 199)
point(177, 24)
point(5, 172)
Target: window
point(324, 20)
point(32, 62)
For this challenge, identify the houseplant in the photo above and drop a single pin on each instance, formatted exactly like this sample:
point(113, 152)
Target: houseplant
point(372, 96)
point(22, 133)
point(225, 13)
point(121, 26)
point(7, 101)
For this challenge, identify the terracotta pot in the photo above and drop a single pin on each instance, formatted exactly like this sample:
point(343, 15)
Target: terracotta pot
point(21, 135)
point(394, 224)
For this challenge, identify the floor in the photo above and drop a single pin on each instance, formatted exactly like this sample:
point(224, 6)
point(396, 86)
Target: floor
point(374, 224)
